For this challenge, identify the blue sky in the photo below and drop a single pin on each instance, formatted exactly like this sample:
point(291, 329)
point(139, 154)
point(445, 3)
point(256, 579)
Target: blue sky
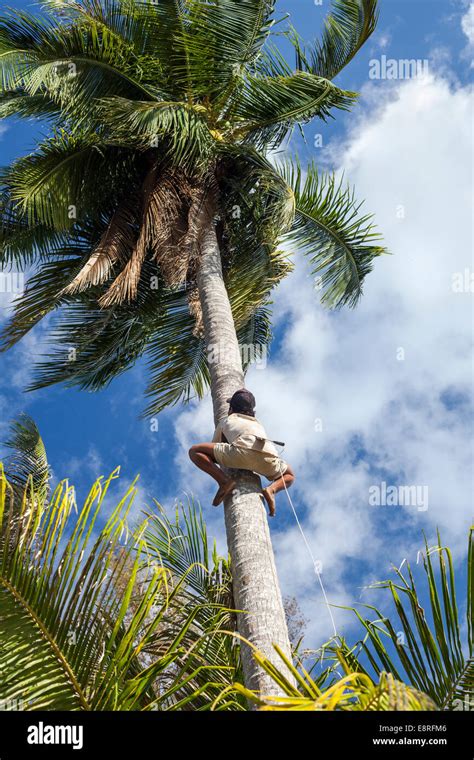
point(403, 421)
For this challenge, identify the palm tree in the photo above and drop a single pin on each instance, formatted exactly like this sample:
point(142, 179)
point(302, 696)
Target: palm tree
point(151, 216)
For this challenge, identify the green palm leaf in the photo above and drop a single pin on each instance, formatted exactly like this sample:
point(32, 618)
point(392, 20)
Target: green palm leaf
point(27, 465)
point(339, 241)
point(181, 545)
point(430, 656)
point(346, 29)
point(270, 106)
point(220, 39)
point(68, 178)
point(354, 692)
point(180, 131)
point(24, 105)
point(462, 692)
point(80, 607)
point(71, 63)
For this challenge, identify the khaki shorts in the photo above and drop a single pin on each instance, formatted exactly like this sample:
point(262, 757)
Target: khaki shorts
point(268, 465)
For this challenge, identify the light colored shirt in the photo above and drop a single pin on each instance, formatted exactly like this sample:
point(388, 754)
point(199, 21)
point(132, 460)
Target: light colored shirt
point(244, 430)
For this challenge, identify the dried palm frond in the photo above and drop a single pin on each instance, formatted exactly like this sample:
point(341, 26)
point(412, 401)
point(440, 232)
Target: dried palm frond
point(169, 229)
point(124, 287)
point(114, 247)
point(172, 244)
point(195, 309)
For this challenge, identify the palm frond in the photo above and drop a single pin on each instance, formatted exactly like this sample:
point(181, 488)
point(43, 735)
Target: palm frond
point(70, 636)
point(222, 38)
point(42, 293)
point(429, 655)
point(340, 242)
point(354, 692)
point(50, 185)
point(113, 248)
point(270, 106)
point(22, 104)
point(125, 286)
point(176, 359)
point(346, 28)
point(180, 544)
point(178, 130)
point(71, 63)
point(92, 345)
point(21, 244)
point(47, 595)
point(27, 465)
point(462, 692)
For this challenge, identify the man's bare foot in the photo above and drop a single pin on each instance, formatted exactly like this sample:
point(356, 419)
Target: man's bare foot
point(270, 499)
point(223, 491)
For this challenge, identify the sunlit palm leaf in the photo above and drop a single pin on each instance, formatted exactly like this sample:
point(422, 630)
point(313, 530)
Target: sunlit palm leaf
point(271, 106)
point(69, 637)
point(181, 545)
point(27, 465)
point(221, 39)
point(422, 647)
point(354, 692)
point(66, 179)
point(346, 28)
point(340, 242)
point(178, 130)
point(23, 104)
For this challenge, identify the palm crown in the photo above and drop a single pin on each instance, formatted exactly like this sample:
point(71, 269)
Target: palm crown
point(152, 106)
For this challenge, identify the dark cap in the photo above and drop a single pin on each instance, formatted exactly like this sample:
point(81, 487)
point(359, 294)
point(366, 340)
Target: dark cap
point(243, 402)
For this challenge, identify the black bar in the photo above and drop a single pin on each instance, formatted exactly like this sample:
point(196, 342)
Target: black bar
point(292, 734)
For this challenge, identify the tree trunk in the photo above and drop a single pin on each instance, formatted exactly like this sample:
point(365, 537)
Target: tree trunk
point(255, 582)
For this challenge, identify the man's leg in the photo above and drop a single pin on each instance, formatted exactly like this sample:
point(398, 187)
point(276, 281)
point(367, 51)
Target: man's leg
point(277, 485)
point(202, 455)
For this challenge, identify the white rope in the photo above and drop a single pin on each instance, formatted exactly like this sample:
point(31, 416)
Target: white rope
point(310, 553)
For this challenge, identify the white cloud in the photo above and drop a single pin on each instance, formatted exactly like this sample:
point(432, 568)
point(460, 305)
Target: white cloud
point(402, 421)
point(91, 465)
point(467, 24)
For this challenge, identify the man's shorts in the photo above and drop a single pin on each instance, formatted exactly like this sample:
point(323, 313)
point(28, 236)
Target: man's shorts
point(239, 458)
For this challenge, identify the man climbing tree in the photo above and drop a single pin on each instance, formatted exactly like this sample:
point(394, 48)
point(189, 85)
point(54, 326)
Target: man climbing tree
point(150, 217)
point(240, 443)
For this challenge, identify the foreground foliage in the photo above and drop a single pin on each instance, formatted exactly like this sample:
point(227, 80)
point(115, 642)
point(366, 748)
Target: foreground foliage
point(420, 647)
point(127, 614)
point(75, 636)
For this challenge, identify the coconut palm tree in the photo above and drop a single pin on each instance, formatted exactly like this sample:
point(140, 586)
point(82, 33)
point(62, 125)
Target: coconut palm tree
point(150, 217)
